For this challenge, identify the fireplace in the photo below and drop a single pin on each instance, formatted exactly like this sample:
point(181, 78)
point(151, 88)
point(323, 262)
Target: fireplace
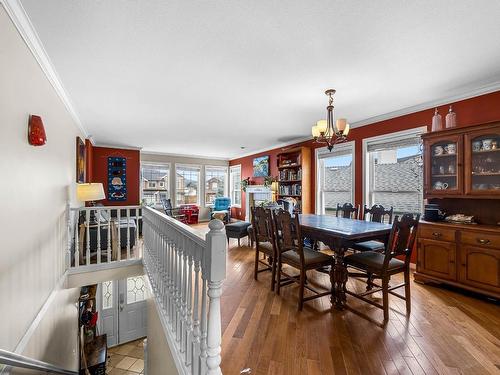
point(255, 195)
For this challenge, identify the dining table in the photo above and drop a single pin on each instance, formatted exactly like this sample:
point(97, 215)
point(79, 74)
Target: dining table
point(339, 234)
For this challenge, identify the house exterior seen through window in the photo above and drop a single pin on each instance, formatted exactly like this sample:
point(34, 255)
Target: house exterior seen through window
point(215, 183)
point(187, 183)
point(394, 173)
point(154, 183)
point(336, 178)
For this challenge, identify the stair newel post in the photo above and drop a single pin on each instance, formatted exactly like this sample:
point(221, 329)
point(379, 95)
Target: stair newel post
point(214, 272)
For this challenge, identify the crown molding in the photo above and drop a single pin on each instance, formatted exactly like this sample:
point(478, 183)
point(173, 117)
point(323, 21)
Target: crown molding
point(278, 145)
point(134, 148)
point(192, 156)
point(22, 22)
point(482, 90)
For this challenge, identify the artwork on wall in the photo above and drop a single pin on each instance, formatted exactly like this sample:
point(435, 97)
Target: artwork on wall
point(117, 179)
point(80, 160)
point(261, 166)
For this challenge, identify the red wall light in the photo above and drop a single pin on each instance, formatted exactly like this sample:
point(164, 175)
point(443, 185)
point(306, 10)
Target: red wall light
point(36, 131)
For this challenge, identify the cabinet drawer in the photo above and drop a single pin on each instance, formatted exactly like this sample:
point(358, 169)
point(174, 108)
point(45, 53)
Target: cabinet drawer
point(489, 240)
point(434, 233)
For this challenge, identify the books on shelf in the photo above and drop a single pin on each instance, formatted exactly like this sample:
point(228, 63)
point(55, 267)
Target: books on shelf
point(293, 189)
point(290, 174)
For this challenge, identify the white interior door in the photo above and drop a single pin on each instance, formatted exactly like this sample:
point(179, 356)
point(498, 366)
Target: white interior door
point(132, 309)
point(122, 310)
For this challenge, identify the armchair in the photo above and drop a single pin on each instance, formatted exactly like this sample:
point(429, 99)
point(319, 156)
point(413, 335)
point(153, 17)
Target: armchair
point(222, 205)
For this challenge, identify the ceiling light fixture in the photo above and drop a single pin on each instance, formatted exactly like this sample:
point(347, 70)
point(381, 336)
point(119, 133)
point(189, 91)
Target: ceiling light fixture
point(328, 131)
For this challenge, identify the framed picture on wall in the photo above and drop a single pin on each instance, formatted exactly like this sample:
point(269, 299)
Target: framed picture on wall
point(261, 166)
point(80, 160)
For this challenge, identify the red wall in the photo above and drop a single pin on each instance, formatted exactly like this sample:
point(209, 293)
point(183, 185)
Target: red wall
point(474, 111)
point(97, 160)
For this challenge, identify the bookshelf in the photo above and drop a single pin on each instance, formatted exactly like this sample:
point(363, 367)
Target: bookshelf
point(294, 177)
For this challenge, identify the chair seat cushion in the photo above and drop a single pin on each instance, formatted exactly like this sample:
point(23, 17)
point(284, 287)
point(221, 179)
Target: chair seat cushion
point(369, 246)
point(311, 257)
point(372, 260)
point(266, 247)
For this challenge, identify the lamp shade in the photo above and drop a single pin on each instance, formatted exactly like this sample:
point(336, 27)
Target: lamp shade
point(90, 192)
point(315, 131)
point(322, 125)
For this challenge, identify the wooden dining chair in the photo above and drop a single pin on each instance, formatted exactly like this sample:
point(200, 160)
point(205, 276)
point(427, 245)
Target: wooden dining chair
point(263, 235)
point(292, 252)
point(347, 211)
point(384, 265)
point(376, 214)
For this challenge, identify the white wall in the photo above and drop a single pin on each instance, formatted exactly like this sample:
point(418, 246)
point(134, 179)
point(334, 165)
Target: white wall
point(172, 160)
point(159, 357)
point(36, 184)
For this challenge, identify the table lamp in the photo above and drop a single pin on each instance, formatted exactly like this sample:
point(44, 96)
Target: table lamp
point(90, 192)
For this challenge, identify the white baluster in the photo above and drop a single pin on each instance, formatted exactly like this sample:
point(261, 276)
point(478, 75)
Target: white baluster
point(215, 272)
point(109, 235)
point(179, 291)
point(98, 219)
point(68, 234)
point(195, 361)
point(184, 296)
point(77, 240)
point(118, 235)
point(128, 233)
point(87, 228)
point(203, 325)
point(189, 312)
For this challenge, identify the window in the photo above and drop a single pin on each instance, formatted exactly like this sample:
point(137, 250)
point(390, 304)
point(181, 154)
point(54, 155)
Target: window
point(187, 184)
point(335, 178)
point(154, 183)
point(136, 289)
point(393, 173)
point(215, 183)
point(235, 185)
point(107, 294)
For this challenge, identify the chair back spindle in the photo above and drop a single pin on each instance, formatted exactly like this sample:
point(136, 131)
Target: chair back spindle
point(378, 213)
point(347, 211)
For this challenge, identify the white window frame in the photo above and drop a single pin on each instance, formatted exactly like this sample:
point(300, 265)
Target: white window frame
point(381, 139)
point(226, 180)
point(201, 176)
point(168, 165)
point(231, 184)
point(323, 153)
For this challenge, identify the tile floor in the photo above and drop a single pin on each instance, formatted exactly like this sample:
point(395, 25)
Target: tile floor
point(126, 359)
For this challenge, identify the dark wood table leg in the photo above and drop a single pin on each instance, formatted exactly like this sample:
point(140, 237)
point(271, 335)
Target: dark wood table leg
point(338, 276)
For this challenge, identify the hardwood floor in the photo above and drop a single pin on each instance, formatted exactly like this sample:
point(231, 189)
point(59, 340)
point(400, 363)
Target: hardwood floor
point(448, 332)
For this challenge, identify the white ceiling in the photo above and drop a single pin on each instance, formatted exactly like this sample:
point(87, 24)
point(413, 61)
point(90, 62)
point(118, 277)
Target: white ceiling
point(206, 77)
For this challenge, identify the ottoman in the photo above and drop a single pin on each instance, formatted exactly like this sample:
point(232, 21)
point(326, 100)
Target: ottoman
point(237, 230)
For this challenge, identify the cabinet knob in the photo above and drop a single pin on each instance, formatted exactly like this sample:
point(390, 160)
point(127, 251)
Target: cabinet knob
point(436, 234)
point(483, 241)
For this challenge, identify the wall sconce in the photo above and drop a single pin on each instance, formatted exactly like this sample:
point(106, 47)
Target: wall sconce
point(36, 131)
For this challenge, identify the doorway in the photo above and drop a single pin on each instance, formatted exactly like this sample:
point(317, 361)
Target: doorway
point(122, 309)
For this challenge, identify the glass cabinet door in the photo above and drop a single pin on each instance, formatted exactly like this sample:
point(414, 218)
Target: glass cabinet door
point(483, 162)
point(444, 168)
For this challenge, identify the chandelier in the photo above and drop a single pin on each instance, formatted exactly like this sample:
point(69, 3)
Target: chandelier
point(328, 131)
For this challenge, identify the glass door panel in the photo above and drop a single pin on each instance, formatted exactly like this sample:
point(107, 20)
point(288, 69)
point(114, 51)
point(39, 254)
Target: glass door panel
point(484, 163)
point(444, 166)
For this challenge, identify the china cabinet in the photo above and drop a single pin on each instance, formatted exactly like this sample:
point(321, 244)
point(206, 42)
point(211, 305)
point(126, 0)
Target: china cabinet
point(463, 162)
point(462, 176)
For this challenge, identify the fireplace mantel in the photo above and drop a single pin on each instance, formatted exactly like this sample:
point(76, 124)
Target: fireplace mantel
point(252, 192)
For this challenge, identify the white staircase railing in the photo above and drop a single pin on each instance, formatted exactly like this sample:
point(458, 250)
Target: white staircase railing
point(184, 269)
point(103, 234)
